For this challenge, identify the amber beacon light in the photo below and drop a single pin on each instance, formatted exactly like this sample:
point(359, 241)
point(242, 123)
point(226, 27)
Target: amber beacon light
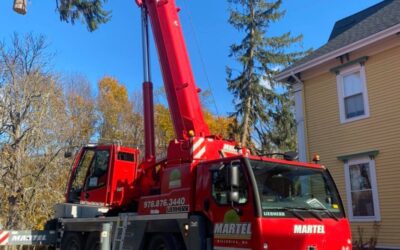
point(316, 158)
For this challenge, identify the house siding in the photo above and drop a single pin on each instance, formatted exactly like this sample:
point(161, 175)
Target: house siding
point(380, 131)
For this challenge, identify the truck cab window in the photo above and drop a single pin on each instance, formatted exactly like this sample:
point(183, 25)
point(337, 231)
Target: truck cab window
point(122, 156)
point(283, 186)
point(221, 188)
point(98, 169)
point(82, 170)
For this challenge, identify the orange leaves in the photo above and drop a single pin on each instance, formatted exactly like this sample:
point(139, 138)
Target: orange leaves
point(163, 126)
point(219, 125)
point(114, 107)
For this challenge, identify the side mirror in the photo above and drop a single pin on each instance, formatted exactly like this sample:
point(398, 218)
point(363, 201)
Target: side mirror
point(233, 178)
point(233, 173)
point(234, 196)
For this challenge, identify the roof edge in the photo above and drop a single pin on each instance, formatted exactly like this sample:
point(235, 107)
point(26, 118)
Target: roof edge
point(333, 54)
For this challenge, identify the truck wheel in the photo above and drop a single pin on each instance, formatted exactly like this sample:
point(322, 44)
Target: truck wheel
point(93, 241)
point(72, 241)
point(164, 242)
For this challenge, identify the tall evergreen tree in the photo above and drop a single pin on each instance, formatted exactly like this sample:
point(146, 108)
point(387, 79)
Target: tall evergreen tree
point(90, 12)
point(262, 123)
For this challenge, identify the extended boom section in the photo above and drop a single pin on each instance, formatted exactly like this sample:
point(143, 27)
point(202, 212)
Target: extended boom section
point(180, 86)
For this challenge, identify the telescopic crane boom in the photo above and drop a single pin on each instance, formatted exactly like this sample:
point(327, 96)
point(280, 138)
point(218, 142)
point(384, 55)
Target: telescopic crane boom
point(180, 86)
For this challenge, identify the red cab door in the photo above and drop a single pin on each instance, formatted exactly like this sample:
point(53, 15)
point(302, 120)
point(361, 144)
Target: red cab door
point(233, 221)
point(96, 185)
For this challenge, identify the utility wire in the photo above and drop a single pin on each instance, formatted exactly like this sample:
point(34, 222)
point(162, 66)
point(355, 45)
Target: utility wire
point(193, 31)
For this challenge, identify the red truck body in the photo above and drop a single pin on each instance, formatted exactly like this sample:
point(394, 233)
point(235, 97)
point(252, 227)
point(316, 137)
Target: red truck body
point(289, 221)
point(242, 201)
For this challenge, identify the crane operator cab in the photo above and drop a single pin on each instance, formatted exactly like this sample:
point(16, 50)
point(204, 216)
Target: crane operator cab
point(103, 175)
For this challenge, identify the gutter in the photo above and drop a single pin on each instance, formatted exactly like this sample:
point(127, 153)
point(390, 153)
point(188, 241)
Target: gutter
point(343, 50)
point(292, 74)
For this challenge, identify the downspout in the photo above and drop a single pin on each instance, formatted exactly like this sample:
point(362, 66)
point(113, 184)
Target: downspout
point(298, 89)
point(292, 74)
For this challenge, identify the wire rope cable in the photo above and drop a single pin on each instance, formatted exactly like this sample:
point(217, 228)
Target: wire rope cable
point(203, 65)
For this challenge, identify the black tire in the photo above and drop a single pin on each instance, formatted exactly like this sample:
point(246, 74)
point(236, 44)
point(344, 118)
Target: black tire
point(72, 241)
point(51, 224)
point(164, 242)
point(93, 241)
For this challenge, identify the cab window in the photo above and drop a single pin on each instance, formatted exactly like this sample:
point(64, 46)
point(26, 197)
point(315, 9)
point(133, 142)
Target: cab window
point(122, 156)
point(98, 170)
point(81, 171)
point(220, 183)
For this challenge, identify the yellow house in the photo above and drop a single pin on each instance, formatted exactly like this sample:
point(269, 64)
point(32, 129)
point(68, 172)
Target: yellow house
point(347, 96)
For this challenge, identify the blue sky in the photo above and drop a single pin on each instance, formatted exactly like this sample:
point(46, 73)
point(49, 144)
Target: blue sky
point(115, 48)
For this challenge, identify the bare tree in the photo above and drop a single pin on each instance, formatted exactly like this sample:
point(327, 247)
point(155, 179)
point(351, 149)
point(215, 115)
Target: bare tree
point(81, 110)
point(134, 126)
point(32, 115)
point(41, 115)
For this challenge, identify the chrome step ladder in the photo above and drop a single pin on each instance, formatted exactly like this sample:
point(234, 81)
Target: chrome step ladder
point(120, 232)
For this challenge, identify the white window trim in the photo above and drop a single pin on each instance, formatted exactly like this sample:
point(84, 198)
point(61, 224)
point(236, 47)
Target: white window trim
point(374, 187)
point(339, 81)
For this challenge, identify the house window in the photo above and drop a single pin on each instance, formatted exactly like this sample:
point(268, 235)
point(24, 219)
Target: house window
point(361, 189)
point(352, 92)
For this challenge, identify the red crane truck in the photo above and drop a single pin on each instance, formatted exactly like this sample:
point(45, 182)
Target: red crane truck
point(208, 193)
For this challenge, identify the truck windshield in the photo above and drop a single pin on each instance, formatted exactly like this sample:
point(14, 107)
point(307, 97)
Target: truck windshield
point(287, 191)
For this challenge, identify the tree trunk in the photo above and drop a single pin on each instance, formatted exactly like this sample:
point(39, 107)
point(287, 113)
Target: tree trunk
point(249, 73)
point(12, 221)
point(246, 123)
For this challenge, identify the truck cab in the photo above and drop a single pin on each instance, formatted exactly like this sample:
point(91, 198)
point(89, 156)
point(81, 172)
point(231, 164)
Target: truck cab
point(245, 201)
point(103, 175)
point(264, 203)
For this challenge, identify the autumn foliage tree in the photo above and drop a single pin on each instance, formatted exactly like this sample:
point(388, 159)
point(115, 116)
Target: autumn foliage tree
point(117, 119)
point(31, 134)
point(80, 110)
point(164, 130)
point(218, 125)
point(41, 116)
point(113, 105)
